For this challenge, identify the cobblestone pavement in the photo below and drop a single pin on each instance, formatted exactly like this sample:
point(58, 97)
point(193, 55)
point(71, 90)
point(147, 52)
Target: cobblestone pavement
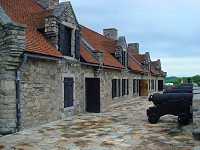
point(120, 126)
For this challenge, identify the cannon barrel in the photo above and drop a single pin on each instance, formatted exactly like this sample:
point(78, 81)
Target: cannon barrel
point(178, 91)
point(161, 98)
point(187, 84)
point(183, 87)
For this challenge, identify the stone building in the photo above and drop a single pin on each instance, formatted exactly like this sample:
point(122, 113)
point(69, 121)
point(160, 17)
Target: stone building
point(53, 67)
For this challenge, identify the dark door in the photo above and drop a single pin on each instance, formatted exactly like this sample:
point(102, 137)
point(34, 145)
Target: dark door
point(92, 94)
point(160, 85)
point(143, 87)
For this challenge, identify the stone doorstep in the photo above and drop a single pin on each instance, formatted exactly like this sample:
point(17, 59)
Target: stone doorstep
point(196, 135)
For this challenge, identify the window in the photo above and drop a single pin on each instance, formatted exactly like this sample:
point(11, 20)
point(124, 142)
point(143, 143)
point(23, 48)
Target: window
point(68, 92)
point(65, 36)
point(114, 88)
point(134, 86)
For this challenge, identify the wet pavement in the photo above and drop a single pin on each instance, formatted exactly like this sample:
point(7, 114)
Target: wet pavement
point(122, 126)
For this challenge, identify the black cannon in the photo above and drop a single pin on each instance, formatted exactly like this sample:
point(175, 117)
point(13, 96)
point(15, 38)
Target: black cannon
point(178, 91)
point(183, 87)
point(158, 98)
point(187, 84)
point(177, 104)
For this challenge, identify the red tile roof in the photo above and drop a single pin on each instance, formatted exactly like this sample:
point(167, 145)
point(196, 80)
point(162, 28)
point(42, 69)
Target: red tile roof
point(109, 45)
point(100, 42)
point(153, 63)
point(39, 18)
point(132, 52)
point(153, 70)
point(138, 57)
point(87, 56)
point(22, 11)
point(134, 66)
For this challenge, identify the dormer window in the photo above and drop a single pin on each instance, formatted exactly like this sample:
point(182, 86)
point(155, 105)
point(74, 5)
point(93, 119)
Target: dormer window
point(65, 37)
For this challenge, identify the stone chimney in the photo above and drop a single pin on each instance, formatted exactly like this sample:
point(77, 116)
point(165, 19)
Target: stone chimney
point(47, 4)
point(158, 66)
point(134, 47)
point(111, 33)
point(147, 60)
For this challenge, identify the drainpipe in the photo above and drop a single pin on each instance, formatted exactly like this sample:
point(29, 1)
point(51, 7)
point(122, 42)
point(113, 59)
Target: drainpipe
point(18, 114)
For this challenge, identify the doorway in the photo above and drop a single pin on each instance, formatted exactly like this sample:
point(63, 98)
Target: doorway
point(143, 90)
point(160, 85)
point(92, 94)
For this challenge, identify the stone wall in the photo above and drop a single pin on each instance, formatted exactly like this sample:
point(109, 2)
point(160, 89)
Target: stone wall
point(42, 89)
point(12, 45)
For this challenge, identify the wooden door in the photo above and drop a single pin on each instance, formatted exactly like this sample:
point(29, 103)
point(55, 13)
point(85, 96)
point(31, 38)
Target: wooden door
point(92, 93)
point(143, 87)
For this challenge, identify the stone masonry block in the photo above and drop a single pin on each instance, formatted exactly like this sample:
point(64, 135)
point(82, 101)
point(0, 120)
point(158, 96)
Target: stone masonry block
point(8, 85)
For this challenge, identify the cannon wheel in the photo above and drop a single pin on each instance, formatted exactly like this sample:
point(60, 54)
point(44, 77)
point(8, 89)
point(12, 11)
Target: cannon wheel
point(153, 118)
point(183, 119)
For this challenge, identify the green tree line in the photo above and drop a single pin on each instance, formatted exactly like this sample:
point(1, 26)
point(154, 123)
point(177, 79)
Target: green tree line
point(175, 80)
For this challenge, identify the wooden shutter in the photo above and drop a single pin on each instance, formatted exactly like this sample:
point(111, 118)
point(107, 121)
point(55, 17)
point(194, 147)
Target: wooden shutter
point(127, 60)
point(123, 58)
point(137, 85)
point(68, 92)
point(77, 46)
point(127, 87)
point(149, 84)
point(114, 88)
point(119, 87)
point(134, 91)
point(61, 38)
point(123, 87)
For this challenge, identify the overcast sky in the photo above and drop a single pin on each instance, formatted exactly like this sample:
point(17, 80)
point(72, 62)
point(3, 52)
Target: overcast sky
point(168, 29)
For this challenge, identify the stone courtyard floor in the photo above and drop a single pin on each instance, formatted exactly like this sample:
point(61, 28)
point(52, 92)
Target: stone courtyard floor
point(122, 126)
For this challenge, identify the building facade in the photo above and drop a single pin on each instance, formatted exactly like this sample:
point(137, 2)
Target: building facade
point(52, 67)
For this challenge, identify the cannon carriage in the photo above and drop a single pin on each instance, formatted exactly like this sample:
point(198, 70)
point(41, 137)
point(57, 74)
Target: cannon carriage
point(178, 104)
